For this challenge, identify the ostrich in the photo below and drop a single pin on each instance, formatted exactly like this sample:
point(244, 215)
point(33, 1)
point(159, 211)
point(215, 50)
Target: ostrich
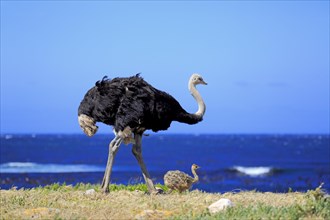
point(180, 181)
point(132, 106)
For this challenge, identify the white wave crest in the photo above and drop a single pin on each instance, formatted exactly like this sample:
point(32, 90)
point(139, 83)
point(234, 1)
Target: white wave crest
point(27, 167)
point(18, 164)
point(253, 171)
point(8, 136)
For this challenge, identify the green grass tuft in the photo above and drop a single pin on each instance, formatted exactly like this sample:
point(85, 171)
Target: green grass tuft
point(97, 187)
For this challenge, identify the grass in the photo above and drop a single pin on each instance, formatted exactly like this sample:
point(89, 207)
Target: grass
point(60, 201)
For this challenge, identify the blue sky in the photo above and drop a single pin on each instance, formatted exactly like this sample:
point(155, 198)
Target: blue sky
point(267, 63)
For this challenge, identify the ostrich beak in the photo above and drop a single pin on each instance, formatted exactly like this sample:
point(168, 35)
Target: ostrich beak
point(203, 82)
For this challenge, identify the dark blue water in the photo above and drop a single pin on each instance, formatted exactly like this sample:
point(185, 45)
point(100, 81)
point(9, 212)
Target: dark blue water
point(228, 162)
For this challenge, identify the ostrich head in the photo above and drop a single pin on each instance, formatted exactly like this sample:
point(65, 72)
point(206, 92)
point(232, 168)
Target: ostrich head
point(195, 167)
point(196, 79)
point(87, 124)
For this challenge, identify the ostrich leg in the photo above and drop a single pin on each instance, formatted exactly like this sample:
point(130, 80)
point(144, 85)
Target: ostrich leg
point(137, 151)
point(113, 148)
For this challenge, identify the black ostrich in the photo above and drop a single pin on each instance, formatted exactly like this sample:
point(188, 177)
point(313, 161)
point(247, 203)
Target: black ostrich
point(132, 106)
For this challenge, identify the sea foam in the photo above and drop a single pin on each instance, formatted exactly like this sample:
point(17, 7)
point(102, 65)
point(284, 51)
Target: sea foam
point(253, 171)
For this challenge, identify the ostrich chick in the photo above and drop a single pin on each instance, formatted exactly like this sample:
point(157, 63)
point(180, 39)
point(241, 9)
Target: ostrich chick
point(177, 180)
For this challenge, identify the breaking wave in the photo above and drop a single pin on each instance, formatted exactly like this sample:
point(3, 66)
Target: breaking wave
point(28, 167)
point(253, 171)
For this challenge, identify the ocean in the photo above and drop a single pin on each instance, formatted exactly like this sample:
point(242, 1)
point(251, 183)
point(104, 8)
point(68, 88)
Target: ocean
point(229, 163)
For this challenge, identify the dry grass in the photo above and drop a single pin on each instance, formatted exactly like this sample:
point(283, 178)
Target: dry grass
point(68, 202)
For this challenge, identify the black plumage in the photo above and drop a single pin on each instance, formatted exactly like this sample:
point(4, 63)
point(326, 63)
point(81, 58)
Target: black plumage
point(131, 105)
point(133, 102)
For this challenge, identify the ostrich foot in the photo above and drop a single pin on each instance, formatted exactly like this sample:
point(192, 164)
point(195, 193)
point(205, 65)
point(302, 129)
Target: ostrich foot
point(158, 191)
point(105, 189)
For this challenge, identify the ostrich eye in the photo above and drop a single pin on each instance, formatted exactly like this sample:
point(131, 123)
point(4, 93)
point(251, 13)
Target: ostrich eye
point(200, 78)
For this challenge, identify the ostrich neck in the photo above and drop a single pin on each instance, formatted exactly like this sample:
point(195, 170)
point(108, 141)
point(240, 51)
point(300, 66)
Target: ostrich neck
point(201, 105)
point(195, 175)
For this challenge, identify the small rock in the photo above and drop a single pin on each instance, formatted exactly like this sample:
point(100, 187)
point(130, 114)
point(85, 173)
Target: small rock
point(90, 192)
point(220, 205)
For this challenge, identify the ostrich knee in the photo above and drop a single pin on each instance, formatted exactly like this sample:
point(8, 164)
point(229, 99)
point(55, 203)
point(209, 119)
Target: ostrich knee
point(126, 135)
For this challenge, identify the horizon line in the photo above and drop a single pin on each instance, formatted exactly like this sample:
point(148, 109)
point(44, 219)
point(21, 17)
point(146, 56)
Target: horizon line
point(167, 133)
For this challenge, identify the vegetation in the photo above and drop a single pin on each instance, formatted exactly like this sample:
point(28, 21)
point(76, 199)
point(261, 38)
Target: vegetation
point(61, 201)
